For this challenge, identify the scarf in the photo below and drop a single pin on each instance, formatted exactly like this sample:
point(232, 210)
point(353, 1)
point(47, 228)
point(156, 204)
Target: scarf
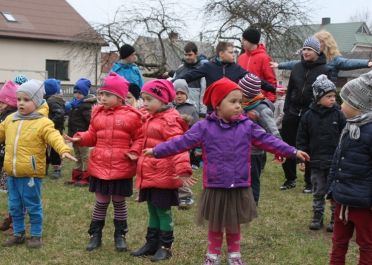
point(32, 116)
point(353, 125)
point(252, 103)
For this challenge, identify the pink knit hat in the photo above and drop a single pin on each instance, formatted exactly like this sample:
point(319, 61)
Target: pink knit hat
point(8, 93)
point(161, 89)
point(250, 85)
point(115, 84)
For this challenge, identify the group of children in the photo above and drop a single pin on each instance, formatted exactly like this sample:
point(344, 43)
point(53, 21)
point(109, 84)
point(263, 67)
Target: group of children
point(151, 141)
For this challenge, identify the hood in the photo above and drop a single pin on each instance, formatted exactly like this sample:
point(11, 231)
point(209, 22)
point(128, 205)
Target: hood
point(260, 49)
point(321, 60)
point(119, 65)
point(171, 115)
point(43, 109)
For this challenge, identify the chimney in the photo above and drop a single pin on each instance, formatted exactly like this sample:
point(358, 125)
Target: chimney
point(326, 20)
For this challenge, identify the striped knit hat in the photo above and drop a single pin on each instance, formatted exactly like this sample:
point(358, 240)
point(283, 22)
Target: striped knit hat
point(312, 43)
point(250, 85)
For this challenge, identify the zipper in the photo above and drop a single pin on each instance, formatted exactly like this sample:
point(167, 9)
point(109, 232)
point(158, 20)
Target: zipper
point(15, 147)
point(223, 70)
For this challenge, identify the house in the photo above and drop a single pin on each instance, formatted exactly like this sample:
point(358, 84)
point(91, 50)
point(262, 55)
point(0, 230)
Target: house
point(354, 40)
point(47, 39)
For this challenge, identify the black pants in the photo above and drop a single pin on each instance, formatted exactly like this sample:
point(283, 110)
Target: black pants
point(53, 157)
point(288, 132)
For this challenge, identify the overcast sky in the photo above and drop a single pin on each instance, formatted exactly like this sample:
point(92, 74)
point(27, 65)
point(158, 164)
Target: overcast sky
point(98, 11)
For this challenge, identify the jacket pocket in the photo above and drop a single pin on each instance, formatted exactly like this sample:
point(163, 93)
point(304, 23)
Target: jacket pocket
point(33, 163)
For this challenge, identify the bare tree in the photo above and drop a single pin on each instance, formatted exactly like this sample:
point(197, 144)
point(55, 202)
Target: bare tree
point(363, 16)
point(275, 19)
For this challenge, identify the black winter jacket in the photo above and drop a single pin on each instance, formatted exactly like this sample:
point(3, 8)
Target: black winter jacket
point(351, 171)
point(300, 91)
point(319, 132)
point(79, 118)
point(56, 106)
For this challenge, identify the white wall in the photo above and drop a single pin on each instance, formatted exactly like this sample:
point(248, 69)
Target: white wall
point(28, 57)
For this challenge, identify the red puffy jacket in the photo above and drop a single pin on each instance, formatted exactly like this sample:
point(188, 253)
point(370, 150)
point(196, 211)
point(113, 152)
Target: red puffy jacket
point(114, 133)
point(161, 173)
point(258, 62)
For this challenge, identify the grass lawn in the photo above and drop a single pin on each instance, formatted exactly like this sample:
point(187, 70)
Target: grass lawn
point(279, 236)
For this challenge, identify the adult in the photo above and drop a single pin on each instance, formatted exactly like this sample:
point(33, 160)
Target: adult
point(127, 67)
point(256, 60)
point(297, 101)
point(335, 61)
point(197, 87)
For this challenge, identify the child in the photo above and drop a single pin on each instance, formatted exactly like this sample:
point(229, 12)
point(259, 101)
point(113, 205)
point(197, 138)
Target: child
point(189, 112)
point(158, 180)
point(8, 105)
point(27, 134)
point(318, 134)
point(56, 106)
point(279, 105)
point(133, 97)
point(260, 110)
point(226, 137)
point(126, 66)
point(351, 173)
point(79, 111)
point(115, 133)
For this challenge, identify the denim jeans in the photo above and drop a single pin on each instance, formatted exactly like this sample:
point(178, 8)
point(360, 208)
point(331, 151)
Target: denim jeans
point(25, 193)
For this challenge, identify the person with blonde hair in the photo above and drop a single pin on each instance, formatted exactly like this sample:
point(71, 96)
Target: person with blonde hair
point(335, 61)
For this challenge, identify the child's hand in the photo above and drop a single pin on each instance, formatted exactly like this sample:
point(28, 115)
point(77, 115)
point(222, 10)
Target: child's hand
point(187, 180)
point(301, 167)
point(302, 156)
point(68, 156)
point(71, 139)
point(132, 157)
point(148, 152)
point(274, 64)
point(279, 159)
point(281, 90)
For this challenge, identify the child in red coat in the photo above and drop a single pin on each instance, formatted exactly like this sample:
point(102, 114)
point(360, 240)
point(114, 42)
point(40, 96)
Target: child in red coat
point(159, 180)
point(115, 131)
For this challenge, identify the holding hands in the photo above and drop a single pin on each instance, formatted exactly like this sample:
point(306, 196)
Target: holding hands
point(71, 139)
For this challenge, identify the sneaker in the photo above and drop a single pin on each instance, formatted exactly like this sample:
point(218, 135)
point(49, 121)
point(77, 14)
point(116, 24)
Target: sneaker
point(194, 167)
point(235, 258)
point(288, 184)
point(56, 174)
point(329, 228)
point(34, 242)
point(185, 204)
point(14, 240)
point(212, 259)
point(308, 188)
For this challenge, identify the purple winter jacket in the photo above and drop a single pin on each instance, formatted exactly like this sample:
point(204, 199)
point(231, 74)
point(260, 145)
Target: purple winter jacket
point(226, 149)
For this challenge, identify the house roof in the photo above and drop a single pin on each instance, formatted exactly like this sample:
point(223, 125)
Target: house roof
point(44, 20)
point(347, 35)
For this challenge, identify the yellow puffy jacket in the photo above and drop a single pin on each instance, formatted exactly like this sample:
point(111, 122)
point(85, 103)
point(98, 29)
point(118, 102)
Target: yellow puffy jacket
point(26, 142)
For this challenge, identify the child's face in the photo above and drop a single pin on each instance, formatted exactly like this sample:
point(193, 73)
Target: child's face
point(150, 103)
point(109, 100)
point(130, 100)
point(349, 111)
point(180, 97)
point(24, 104)
point(328, 100)
point(231, 106)
point(78, 95)
point(227, 56)
point(131, 58)
point(309, 55)
point(3, 107)
point(190, 57)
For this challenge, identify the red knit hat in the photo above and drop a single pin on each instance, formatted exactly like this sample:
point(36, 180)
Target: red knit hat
point(218, 90)
point(161, 89)
point(115, 84)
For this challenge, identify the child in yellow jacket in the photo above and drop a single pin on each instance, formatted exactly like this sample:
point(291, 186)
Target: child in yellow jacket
point(27, 133)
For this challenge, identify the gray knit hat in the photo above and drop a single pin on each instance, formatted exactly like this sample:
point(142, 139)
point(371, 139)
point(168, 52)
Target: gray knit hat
point(358, 92)
point(180, 85)
point(322, 86)
point(313, 44)
point(35, 90)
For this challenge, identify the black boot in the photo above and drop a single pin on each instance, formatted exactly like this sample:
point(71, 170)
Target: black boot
point(95, 232)
point(317, 222)
point(164, 252)
point(151, 245)
point(121, 228)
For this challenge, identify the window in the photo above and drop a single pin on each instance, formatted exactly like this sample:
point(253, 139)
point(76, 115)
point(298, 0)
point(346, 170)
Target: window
point(57, 69)
point(9, 17)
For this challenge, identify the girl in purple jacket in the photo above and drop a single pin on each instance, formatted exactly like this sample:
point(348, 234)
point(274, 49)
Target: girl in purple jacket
point(226, 138)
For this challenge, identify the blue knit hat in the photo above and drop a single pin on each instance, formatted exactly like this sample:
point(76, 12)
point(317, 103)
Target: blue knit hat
point(82, 86)
point(312, 43)
point(52, 87)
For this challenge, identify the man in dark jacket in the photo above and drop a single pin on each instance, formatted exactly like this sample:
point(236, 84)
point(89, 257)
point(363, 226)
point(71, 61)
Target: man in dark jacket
point(297, 102)
point(196, 87)
point(318, 135)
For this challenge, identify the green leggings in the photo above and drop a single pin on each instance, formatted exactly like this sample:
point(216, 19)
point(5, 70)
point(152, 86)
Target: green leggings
point(160, 218)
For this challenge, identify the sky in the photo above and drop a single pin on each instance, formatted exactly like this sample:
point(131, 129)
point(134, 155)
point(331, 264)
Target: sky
point(98, 11)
